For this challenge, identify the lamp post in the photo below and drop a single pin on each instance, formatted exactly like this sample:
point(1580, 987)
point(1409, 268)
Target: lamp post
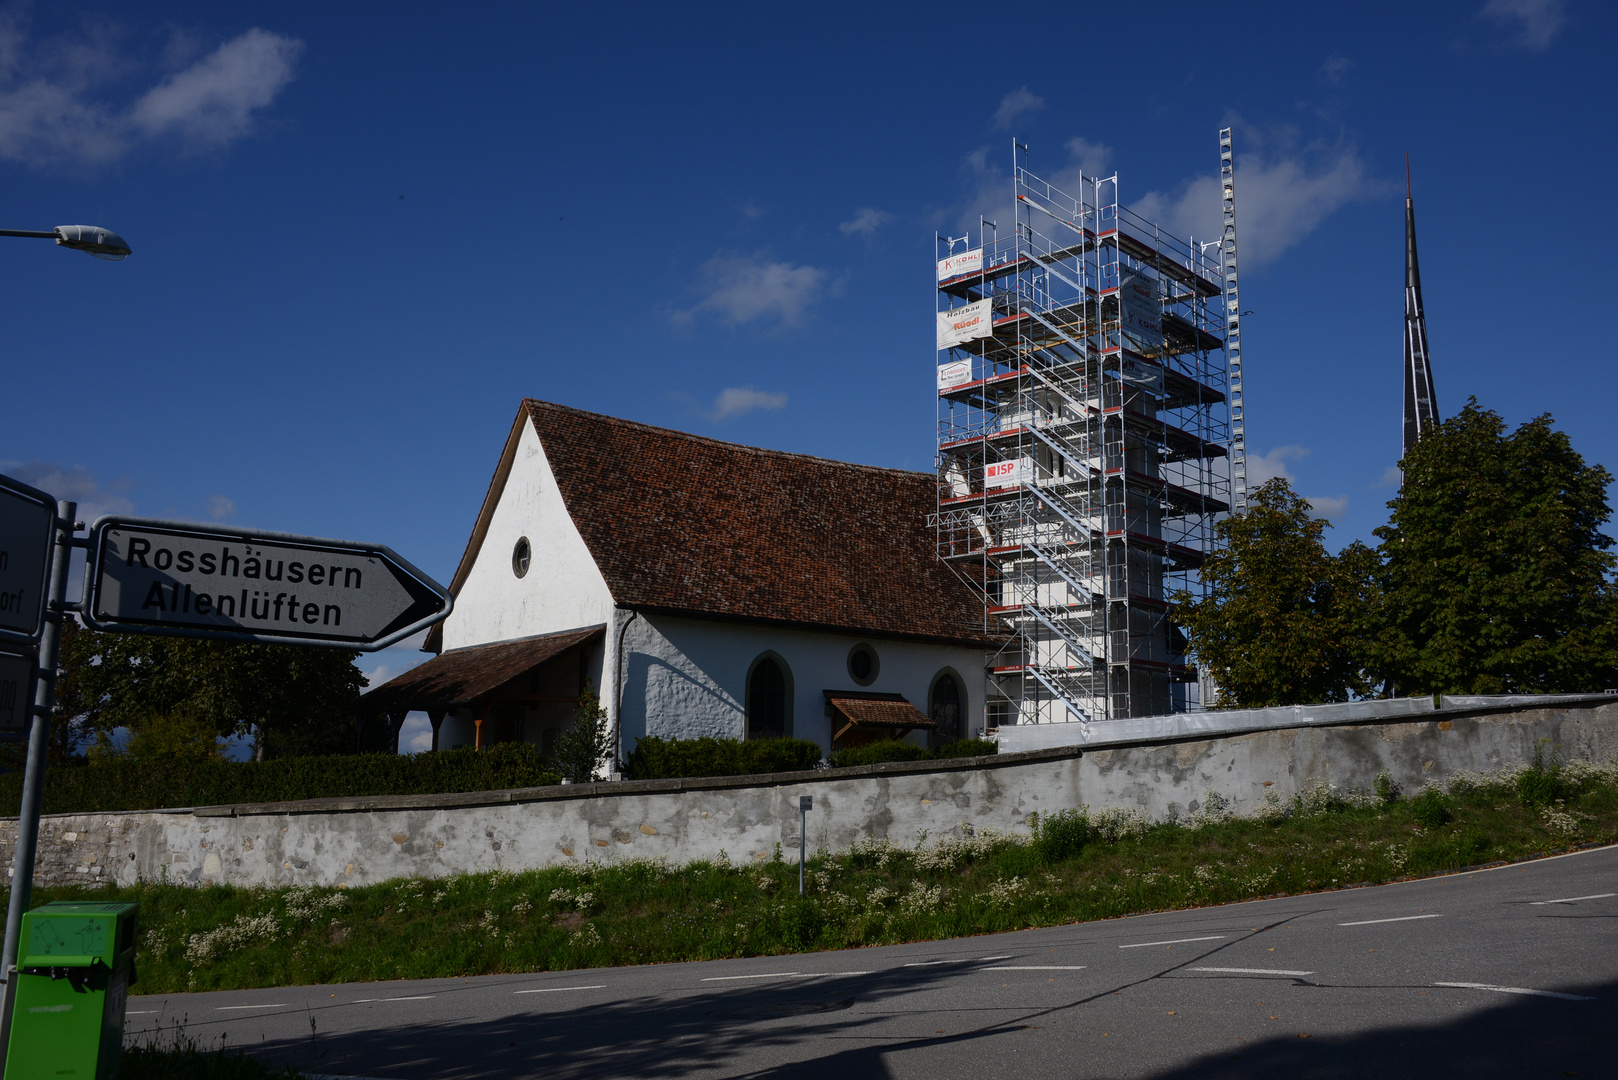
point(90, 239)
point(103, 244)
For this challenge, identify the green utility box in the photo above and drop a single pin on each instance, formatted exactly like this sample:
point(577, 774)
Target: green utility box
point(73, 973)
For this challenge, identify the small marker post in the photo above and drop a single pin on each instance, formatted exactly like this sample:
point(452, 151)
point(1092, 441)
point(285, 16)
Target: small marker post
point(805, 804)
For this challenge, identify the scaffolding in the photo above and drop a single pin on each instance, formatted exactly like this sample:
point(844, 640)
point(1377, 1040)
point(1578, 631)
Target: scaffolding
point(1083, 437)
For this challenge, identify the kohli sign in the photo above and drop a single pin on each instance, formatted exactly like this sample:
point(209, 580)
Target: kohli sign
point(159, 577)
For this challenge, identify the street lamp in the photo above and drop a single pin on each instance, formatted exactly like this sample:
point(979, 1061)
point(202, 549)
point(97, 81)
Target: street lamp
point(90, 239)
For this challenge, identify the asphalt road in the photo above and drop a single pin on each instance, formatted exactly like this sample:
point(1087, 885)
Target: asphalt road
point(1511, 972)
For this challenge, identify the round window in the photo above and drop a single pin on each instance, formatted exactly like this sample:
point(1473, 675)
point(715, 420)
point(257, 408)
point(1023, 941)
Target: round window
point(863, 665)
point(521, 556)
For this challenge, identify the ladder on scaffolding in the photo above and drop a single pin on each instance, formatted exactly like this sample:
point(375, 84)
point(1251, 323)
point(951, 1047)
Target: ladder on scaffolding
point(1233, 327)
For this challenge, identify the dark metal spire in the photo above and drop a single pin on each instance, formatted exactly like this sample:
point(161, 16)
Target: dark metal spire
point(1421, 405)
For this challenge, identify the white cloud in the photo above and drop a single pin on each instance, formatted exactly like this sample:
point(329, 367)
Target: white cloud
point(1535, 22)
point(1017, 103)
point(742, 288)
point(220, 507)
point(1328, 507)
point(867, 221)
point(416, 734)
point(212, 102)
point(741, 400)
point(1336, 66)
point(1391, 477)
point(1283, 193)
point(57, 108)
point(1093, 158)
point(1265, 467)
point(75, 484)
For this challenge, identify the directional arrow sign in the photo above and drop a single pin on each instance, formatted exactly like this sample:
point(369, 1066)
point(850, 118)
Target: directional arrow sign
point(162, 577)
point(27, 516)
point(16, 694)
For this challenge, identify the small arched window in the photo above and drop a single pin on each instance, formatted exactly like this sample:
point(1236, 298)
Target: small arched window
point(767, 700)
point(945, 709)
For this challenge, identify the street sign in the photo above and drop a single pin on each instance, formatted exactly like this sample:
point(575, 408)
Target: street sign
point(16, 694)
point(27, 519)
point(171, 578)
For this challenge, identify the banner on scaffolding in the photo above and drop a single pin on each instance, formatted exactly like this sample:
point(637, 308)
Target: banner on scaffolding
point(968, 262)
point(1141, 310)
point(1004, 474)
point(960, 325)
point(954, 374)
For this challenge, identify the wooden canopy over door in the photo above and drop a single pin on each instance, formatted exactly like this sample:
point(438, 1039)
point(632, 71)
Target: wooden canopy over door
point(482, 678)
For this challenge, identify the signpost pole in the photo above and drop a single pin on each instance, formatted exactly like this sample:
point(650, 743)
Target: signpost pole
point(33, 782)
point(805, 804)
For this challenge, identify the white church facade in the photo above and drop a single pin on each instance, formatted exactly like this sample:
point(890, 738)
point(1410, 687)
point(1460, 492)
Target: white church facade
point(702, 588)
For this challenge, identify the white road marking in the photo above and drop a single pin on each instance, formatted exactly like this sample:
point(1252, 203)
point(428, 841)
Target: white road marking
point(1574, 899)
point(1176, 941)
point(986, 959)
point(143, 1012)
point(1252, 971)
point(1516, 990)
point(554, 989)
point(771, 975)
point(1035, 967)
point(1402, 918)
point(418, 997)
point(929, 963)
point(233, 1008)
point(828, 974)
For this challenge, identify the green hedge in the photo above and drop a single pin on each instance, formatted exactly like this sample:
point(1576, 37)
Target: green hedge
point(665, 759)
point(893, 750)
point(122, 784)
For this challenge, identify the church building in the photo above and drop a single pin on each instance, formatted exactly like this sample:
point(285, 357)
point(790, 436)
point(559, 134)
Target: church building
point(701, 588)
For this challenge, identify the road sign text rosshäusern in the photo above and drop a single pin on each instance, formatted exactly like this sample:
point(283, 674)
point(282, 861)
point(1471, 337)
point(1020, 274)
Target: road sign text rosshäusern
point(166, 578)
point(27, 517)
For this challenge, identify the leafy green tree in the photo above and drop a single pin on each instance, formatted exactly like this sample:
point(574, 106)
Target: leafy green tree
point(581, 749)
point(1284, 621)
point(1497, 576)
point(290, 700)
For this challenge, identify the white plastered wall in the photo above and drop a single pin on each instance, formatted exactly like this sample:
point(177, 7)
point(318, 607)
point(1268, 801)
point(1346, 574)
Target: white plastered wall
point(563, 589)
point(685, 678)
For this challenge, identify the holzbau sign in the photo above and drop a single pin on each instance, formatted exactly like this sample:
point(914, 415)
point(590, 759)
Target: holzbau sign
point(161, 577)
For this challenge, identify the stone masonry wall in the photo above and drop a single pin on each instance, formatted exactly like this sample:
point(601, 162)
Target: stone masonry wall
point(356, 841)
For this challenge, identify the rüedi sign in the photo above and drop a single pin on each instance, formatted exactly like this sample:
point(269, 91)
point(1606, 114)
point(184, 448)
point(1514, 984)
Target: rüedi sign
point(169, 578)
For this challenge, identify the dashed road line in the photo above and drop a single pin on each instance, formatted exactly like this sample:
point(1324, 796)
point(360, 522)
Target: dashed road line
point(1515, 990)
point(930, 963)
point(986, 959)
point(558, 989)
point(1035, 967)
point(1401, 918)
point(418, 997)
point(769, 975)
point(234, 1008)
point(1175, 941)
point(1573, 899)
point(1251, 971)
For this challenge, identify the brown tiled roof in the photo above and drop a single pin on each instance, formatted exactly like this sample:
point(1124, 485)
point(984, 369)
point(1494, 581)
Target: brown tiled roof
point(682, 523)
point(877, 710)
point(463, 676)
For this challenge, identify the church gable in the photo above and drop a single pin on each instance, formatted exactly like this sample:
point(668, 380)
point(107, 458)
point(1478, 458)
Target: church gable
point(527, 570)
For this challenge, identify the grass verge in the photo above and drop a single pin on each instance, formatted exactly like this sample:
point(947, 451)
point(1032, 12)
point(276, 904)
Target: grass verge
point(1074, 866)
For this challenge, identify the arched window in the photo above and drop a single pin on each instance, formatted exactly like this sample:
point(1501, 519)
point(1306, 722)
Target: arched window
point(945, 709)
point(767, 699)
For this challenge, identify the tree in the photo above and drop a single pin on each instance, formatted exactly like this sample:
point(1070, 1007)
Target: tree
point(290, 700)
point(1284, 622)
point(1497, 577)
point(582, 748)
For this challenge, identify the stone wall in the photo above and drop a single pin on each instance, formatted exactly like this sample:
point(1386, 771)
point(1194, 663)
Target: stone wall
point(359, 841)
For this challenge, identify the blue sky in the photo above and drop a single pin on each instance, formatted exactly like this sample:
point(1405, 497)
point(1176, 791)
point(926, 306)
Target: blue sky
point(363, 233)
